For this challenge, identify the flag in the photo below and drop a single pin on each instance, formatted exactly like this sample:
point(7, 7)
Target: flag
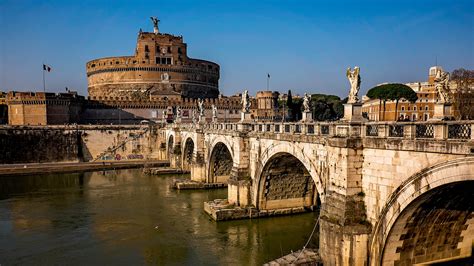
point(268, 75)
point(47, 68)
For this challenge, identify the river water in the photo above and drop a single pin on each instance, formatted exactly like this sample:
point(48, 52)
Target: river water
point(128, 218)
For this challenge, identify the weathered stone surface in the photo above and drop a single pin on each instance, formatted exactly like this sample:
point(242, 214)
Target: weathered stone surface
point(362, 183)
point(75, 143)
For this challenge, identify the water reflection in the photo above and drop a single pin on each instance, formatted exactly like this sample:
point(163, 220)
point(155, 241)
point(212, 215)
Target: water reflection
point(128, 218)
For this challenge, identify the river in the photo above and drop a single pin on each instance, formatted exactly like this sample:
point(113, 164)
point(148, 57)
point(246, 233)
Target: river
point(128, 218)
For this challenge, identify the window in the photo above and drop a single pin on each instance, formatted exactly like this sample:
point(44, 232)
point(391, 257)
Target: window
point(164, 60)
point(427, 116)
point(169, 49)
point(403, 108)
point(414, 108)
point(426, 108)
point(179, 50)
point(146, 49)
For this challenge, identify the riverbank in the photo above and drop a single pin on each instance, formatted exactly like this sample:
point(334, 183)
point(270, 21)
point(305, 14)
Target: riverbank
point(67, 167)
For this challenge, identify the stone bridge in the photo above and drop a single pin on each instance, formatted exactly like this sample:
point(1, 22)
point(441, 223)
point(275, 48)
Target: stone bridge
point(388, 193)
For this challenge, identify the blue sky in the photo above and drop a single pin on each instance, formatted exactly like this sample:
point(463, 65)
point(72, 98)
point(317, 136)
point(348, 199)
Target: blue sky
point(304, 45)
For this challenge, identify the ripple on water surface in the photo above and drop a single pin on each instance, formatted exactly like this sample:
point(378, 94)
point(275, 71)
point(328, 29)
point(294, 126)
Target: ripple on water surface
point(125, 217)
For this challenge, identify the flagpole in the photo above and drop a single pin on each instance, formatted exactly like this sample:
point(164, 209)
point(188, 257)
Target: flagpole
point(44, 83)
point(268, 80)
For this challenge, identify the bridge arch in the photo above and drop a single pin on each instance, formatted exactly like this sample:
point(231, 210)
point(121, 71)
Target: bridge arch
point(429, 218)
point(295, 151)
point(188, 151)
point(220, 160)
point(284, 182)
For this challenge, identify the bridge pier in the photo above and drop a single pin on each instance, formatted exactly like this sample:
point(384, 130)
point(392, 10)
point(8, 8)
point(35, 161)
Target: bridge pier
point(239, 188)
point(240, 181)
point(174, 150)
point(344, 228)
point(343, 233)
point(198, 166)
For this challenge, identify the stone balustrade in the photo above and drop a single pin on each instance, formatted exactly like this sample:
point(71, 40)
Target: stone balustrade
point(438, 130)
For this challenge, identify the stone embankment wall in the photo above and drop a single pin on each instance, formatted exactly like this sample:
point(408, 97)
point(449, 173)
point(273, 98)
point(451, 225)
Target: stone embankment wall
point(73, 144)
point(22, 145)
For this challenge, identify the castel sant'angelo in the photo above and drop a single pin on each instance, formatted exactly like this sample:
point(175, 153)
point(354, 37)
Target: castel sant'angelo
point(159, 69)
point(151, 85)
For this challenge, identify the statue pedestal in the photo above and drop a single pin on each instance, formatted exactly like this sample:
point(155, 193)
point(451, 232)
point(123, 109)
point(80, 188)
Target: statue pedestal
point(245, 117)
point(307, 117)
point(353, 112)
point(202, 119)
point(442, 111)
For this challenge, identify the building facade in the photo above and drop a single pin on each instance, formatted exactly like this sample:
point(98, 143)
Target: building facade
point(421, 110)
point(159, 69)
point(3, 108)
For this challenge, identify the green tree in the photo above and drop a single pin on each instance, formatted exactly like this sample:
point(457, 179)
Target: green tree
point(326, 107)
point(296, 109)
point(392, 92)
point(289, 105)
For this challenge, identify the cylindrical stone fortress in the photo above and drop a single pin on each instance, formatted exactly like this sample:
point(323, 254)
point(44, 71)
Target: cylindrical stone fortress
point(160, 66)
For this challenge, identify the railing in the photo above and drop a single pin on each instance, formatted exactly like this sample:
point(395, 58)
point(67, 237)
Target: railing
point(424, 131)
point(459, 131)
point(396, 131)
point(372, 130)
point(438, 130)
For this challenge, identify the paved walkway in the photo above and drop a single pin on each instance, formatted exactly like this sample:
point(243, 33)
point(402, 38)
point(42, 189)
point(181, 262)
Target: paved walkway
point(62, 167)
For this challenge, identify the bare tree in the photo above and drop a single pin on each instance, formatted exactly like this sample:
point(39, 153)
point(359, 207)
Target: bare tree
point(463, 93)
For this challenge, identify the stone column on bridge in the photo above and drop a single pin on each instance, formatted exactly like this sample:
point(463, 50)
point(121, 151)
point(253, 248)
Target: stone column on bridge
point(442, 111)
point(214, 114)
point(353, 108)
point(307, 115)
point(162, 152)
point(198, 165)
point(245, 113)
point(240, 182)
point(353, 112)
point(344, 229)
point(444, 99)
point(174, 152)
